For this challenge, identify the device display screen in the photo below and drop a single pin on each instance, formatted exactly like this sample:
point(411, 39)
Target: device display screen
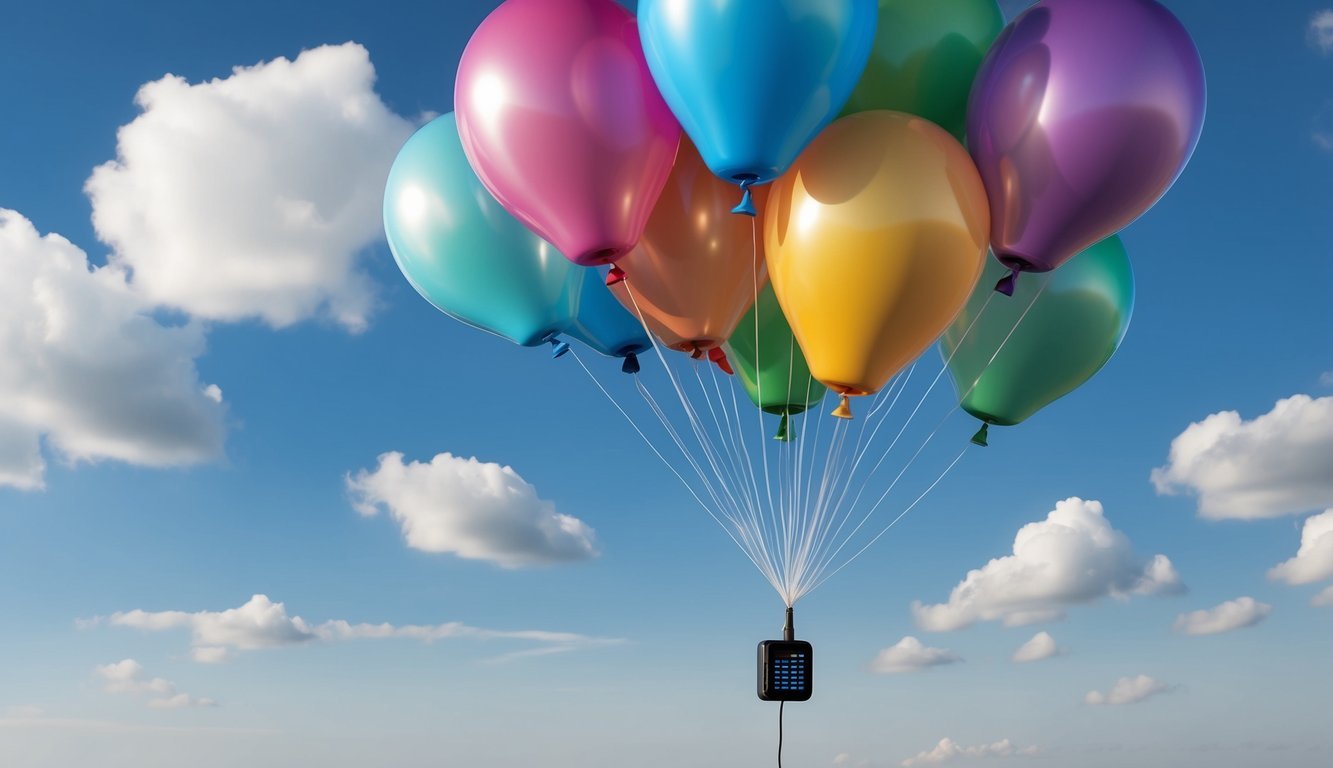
point(785, 670)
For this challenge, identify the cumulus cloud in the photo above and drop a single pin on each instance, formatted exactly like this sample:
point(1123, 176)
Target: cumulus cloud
point(1280, 463)
point(948, 751)
point(260, 623)
point(128, 677)
point(472, 509)
point(910, 655)
point(1231, 615)
point(1320, 31)
point(254, 195)
point(86, 370)
point(1041, 646)
point(1314, 560)
point(1074, 556)
point(1128, 690)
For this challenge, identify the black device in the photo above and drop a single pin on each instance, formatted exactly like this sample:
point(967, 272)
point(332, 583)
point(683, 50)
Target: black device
point(786, 667)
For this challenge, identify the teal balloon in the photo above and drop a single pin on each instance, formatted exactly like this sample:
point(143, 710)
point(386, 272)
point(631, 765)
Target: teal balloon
point(467, 255)
point(753, 81)
point(1073, 328)
point(603, 323)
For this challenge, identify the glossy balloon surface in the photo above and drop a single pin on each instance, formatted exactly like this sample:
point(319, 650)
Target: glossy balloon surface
point(925, 57)
point(699, 266)
point(769, 362)
point(1083, 114)
point(602, 323)
point(1080, 316)
point(754, 81)
point(875, 240)
point(563, 123)
point(464, 253)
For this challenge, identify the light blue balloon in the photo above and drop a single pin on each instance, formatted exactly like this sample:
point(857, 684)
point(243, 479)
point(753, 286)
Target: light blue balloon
point(603, 323)
point(467, 255)
point(753, 81)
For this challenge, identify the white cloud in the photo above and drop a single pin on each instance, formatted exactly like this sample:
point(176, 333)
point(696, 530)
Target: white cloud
point(910, 655)
point(1326, 378)
point(20, 711)
point(1231, 615)
point(1041, 646)
point(1074, 556)
point(128, 676)
point(1320, 31)
point(1128, 690)
point(948, 751)
point(253, 196)
point(86, 370)
point(475, 510)
point(1323, 599)
point(261, 623)
point(1278, 464)
point(1314, 560)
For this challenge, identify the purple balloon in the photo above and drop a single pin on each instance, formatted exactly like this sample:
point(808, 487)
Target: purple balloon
point(1083, 114)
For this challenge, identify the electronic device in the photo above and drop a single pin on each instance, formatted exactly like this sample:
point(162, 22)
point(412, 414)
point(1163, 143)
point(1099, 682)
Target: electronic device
point(786, 667)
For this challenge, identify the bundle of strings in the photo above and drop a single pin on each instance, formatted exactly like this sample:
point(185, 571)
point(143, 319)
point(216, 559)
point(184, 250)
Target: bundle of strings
point(804, 509)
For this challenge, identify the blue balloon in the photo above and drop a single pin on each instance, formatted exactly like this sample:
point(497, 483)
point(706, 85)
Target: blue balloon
point(467, 255)
point(753, 81)
point(603, 324)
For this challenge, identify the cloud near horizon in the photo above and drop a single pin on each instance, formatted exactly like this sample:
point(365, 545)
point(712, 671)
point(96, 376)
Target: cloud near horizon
point(911, 655)
point(1229, 616)
point(947, 751)
point(127, 676)
point(260, 623)
point(1128, 690)
point(1072, 557)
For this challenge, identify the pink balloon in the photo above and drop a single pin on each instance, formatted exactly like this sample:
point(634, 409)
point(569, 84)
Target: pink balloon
point(562, 122)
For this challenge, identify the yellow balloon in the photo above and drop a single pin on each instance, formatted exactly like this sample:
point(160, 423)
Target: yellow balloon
point(875, 239)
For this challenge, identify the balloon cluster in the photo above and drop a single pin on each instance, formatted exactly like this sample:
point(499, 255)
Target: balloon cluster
point(584, 137)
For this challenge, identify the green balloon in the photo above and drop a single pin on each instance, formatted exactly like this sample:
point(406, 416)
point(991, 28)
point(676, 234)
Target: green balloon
point(925, 57)
point(770, 360)
point(1072, 329)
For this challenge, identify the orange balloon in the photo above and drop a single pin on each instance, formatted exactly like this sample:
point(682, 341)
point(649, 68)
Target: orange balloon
point(692, 276)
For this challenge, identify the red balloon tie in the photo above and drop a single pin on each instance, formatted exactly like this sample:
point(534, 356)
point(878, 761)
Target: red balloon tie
point(718, 356)
point(616, 275)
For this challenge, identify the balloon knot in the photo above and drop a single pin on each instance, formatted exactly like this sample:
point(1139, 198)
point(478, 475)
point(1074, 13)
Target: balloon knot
point(616, 275)
point(784, 432)
point(718, 356)
point(1006, 283)
point(558, 347)
point(631, 364)
point(746, 206)
point(696, 353)
point(980, 437)
point(844, 409)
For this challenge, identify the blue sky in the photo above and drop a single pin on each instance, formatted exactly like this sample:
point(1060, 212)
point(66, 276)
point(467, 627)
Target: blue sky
point(161, 495)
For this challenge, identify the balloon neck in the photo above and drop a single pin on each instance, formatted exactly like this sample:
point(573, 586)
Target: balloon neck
point(1006, 283)
point(616, 275)
point(844, 409)
point(558, 347)
point(982, 434)
point(631, 364)
point(746, 206)
point(784, 434)
point(720, 358)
